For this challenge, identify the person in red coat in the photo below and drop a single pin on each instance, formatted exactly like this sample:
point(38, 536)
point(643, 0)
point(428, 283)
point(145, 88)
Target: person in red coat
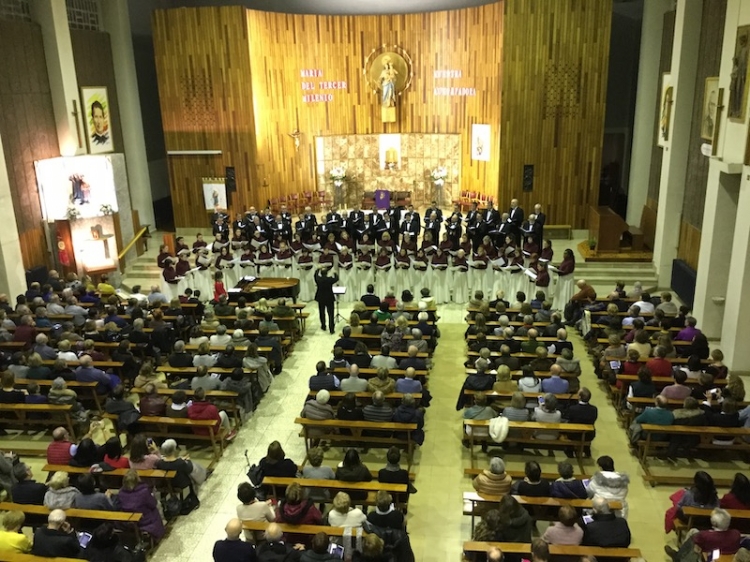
point(201, 409)
point(660, 366)
point(25, 332)
point(295, 509)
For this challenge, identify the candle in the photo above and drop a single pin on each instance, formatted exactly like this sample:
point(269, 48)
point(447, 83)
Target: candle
point(391, 155)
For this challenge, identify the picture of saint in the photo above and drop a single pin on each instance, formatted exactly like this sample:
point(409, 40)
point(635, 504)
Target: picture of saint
point(80, 190)
point(665, 109)
point(710, 101)
point(101, 125)
point(388, 83)
point(738, 83)
point(98, 119)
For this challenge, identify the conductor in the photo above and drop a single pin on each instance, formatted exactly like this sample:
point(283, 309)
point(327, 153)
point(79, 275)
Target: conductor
point(324, 296)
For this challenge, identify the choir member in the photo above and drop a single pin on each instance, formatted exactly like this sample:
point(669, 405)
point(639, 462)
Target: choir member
point(565, 283)
point(547, 252)
point(454, 230)
point(199, 243)
point(459, 277)
point(161, 259)
point(180, 246)
point(383, 277)
point(439, 271)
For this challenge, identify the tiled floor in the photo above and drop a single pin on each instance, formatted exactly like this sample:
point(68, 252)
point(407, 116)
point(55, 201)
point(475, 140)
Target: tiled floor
point(435, 519)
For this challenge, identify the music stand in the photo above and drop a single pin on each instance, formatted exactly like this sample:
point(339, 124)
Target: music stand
point(338, 291)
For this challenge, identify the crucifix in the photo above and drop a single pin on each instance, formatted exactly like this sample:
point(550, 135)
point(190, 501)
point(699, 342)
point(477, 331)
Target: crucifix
point(74, 113)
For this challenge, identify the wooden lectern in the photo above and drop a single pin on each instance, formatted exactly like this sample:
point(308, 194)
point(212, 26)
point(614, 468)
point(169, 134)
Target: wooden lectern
point(607, 227)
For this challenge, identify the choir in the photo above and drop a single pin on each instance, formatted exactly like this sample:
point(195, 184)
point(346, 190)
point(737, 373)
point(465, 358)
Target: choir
point(458, 254)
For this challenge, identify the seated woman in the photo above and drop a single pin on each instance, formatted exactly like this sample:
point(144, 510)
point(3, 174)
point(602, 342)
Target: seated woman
point(342, 514)
point(517, 410)
point(515, 521)
point(386, 515)
point(60, 495)
point(567, 486)
point(533, 484)
point(361, 356)
point(738, 496)
point(393, 473)
point(8, 393)
point(566, 529)
point(493, 481)
point(136, 497)
point(253, 360)
point(143, 453)
point(87, 453)
point(488, 529)
point(171, 460)
point(381, 382)
point(275, 462)
point(353, 470)
point(89, 498)
point(295, 509)
point(113, 454)
point(547, 412)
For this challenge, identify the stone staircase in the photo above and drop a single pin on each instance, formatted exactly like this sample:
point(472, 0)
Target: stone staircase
point(603, 275)
point(143, 271)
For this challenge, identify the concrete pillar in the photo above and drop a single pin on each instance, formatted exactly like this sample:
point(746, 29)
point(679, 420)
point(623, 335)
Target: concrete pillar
point(719, 216)
point(52, 16)
point(116, 20)
point(12, 274)
point(736, 323)
point(644, 122)
point(674, 165)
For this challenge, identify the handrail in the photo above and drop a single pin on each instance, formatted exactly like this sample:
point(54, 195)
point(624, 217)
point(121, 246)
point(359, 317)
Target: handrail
point(130, 244)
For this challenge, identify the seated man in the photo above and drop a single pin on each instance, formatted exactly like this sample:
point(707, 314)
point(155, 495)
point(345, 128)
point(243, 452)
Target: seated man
point(227, 359)
point(689, 332)
point(281, 310)
point(223, 308)
point(322, 379)
point(346, 342)
point(408, 384)
point(151, 403)
point(583, 413)
point(413, 361)
point(373, 328)
point(232, 547)
point(274, 548)
point(43, 349)
point(606, 530)
point(58, 538)
point(555, 384)
point(719, 537)
point(384, 359)
point(86, 372)
point(659, 415)
point(275, 356)
point(417, 341)
point(379, 410)
point(353, 383)
point(369, 298)
point(506, 358)
point(645, 304)
point(27, 490)
point(562, 342)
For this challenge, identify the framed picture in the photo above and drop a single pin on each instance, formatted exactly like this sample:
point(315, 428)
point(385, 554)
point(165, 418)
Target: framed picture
point(480, 142)
point(665, 109)
point(97, 120)
point(214, 194)
point(710, 99)
point(738, 84)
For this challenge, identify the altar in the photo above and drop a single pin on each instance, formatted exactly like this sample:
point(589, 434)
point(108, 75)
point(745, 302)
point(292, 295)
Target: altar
point(391, 163)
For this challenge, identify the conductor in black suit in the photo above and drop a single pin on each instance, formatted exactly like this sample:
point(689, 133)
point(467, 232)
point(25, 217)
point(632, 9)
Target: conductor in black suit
point(324, 296)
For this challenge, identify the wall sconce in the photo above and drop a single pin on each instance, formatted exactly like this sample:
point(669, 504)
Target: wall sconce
point(296, 135)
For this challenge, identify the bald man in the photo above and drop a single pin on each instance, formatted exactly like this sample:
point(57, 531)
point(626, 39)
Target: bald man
point(232, 548)
point(275, 548)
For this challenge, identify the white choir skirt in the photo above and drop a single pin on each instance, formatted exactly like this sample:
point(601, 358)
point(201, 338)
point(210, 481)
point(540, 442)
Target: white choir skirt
point(306, 284)
point(564, 290)
point(460, 286)
point(384, 282)
point(477, 280)
point(171, 290)
point(283, 271)
point(203, 281)
point(403, 280)
point(348, 279)
point(420, 280)
point(230, 277)
point(267, 270)
point(364, 277)
point(441, 285)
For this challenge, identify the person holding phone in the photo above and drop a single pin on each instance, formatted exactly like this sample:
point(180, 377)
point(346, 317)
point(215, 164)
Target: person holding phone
point(58, 538)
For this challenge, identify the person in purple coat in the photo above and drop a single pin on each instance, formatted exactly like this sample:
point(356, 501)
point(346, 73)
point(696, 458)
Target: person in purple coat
point(135, 496)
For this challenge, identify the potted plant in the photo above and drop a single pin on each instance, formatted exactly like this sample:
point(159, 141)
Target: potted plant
point(338, 176)
point(592, 243)
point(73, 213)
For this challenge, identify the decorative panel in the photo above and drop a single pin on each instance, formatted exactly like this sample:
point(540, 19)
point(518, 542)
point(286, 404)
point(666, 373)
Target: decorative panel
point(696, 178)
point(665, 64)
point(690, 244)
point(419, 154)
point(555, 64)
point(27, 127)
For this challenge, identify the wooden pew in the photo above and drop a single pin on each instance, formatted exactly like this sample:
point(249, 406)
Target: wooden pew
point(617, 394)
point(515, 375)
point(648, 446)
point(369, 372)
point(17, 557)
point(14, 415)
point(161, 426)
point(493, 396)
point(543, 508)
point(398, 491)
point(297, 529)
point(524, 434)
point(357, 428)
point(190, 371)
point(643, 403)
point(161, 475)
point(40, 513)
point(520, 475)
point(472, 549)
point(85, 390)
point(211, 395)
point(338, 395)
point(700, 518)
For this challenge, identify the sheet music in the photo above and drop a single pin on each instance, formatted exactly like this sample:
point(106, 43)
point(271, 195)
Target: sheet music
point(553, 268)
point(312, 247)
point(531, 274)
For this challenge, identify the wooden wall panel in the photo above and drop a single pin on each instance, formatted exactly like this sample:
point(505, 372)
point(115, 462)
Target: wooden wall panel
point(555, 64)
point(665, 63)
point(690, 244)
point(92, 53)
point(229, 79)
point(206, 98)
point(27, 127)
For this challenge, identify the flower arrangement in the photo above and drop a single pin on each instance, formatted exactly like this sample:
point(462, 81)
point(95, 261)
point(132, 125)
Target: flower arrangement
point(338, 175)
point(73, 213)
point(106, 210)
point(438, 175)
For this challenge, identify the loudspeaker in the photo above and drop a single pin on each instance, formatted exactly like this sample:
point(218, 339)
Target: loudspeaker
point(528, 177)
point(230, 180)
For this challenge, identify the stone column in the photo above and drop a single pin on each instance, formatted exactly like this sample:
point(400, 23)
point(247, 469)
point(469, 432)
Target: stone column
point(674, 165)
point(12, 274)
point(116, 21)
point(52, 16)
point(717, 233)
point(644, 122)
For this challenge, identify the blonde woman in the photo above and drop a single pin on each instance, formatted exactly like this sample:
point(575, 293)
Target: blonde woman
point(504, 381)
point(343, 514)
point(147, 375)
point(60, 495)
point(354, 324)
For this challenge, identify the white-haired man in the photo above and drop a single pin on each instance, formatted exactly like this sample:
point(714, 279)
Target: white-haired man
point(58, 538)
point(719, 537)
point(606, 530)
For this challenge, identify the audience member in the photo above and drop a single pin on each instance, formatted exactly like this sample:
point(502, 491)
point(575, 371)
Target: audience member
point(606, 530)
